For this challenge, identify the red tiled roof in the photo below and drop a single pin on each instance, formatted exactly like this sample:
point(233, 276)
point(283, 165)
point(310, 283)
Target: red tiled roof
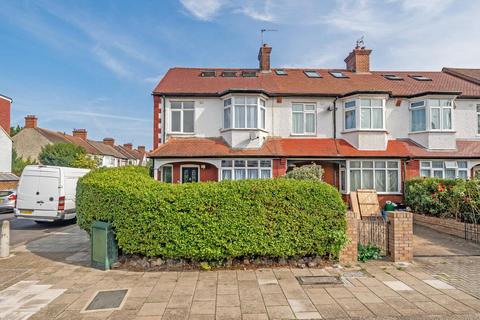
point(187, 81)
point(308, 147)
point(472, 75)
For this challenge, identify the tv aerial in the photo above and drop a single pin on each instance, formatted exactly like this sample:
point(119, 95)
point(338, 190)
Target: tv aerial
point(262, 31)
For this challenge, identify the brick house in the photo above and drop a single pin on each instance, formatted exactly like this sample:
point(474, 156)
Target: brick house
point(367, 129)
point(7, 179)
point(28, 144)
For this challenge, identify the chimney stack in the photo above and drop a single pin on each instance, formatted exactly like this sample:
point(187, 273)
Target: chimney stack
point(264, 58)
point(31, 121)
point(141, 149)
point(109, 141)
point(128, 146)
point(5, 110)
point(359, 60)
point(81, 133)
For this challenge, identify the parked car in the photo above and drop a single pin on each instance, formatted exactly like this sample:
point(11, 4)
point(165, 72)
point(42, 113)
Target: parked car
point(7, 200)
point(47, 193)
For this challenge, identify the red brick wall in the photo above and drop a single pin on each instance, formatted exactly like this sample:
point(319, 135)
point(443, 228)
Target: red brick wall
point(330, 174)
point(5, 115)
point(400, 239)
point(156, 121)
point(279, 167)
point(349, 253)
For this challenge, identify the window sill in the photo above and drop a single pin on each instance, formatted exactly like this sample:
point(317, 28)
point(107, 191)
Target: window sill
point(181, 133)
point(243, 129)
point(303, 135)
point(364, 130)
point(432, 131)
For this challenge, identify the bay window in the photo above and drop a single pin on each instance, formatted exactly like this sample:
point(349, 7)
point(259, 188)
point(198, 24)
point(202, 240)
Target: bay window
point(381, 175)
point(431, 114)
point(239, 169)
point(303, 118)
point(244, 112)
point(182, 116)
point(370, 111)
point(444, 169)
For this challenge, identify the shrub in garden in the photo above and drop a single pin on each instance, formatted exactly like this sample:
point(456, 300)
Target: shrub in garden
point(307, 172)
point(213, 221)
point(455, 198)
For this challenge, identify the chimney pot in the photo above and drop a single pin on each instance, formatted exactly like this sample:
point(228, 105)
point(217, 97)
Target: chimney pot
point(128, 146)
point(359, 60)
point(31, 121)
point(109, 141)
point(81, 133)
point(264, 58)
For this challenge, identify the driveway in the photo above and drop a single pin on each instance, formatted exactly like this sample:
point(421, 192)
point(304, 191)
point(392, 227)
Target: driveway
point(450, 258)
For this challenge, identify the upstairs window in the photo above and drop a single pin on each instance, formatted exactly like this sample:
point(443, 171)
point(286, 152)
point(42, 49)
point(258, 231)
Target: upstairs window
point(432, 114)
point(244, 112)
point(420, 78)
point(303, 118)
point(281, 72)
point(478, 118)
point(249, 74)
point(229, 74)
point(182, 116)
point(312, 74)
point(338, 74)
point(207, 73)
point(370, 112)
point(392, 77)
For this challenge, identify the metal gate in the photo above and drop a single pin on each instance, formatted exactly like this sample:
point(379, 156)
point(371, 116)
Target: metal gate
point(374, 231)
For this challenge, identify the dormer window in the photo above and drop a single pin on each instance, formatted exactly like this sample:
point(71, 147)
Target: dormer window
point(431, 115)
point(244, 112)
point(364, 114)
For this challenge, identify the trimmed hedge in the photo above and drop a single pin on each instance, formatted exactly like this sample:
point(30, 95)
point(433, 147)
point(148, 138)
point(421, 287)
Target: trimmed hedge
point(215, 220)
point(452, 198)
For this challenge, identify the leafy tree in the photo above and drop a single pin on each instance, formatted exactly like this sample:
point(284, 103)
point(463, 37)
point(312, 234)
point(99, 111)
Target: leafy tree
point(307, 172)
point(87, 162)
point(15, 130)
point(66, 155)
point(18, 164)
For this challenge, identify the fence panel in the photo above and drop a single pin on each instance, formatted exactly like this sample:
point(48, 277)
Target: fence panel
point(374, 231)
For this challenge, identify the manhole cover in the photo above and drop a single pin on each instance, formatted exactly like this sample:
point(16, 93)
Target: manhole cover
point(354, 274)
point(319, 280)
point(111, 299)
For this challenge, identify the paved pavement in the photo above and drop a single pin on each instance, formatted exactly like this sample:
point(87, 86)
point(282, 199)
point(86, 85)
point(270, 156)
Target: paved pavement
point(23, 231)
point(450, 258)
point(54, 270)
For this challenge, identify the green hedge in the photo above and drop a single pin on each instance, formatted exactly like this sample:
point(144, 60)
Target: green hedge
point(215, 220)
point(452, 198)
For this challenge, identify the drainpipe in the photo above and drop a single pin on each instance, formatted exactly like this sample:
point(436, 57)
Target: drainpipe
point(335, 118)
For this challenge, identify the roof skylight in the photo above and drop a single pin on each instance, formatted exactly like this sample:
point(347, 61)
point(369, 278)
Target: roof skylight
point(312, 74)
point(420, 77)
point(249, 74)
point(392, 77)
point(281, 72)
point(207, 73)
point(338, 74)
point(229, 73)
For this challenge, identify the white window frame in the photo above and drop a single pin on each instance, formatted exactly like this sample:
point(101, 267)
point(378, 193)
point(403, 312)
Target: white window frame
point(357, 110)
point(162, 178)
point(260, 106)
point(189, 166)
point(398, 169)
point(181, 110)
point(478, 119)
point(429, 107)
point(305, 113)
point(427, 165)
point(259, 168)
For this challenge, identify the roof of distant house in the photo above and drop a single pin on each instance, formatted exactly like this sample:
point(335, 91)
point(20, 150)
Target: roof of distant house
point(472, 75)
point(188, 81)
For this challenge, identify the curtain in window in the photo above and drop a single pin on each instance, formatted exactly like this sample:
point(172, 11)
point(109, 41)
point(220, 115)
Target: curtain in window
point(393, 180)
point(418, 120)
point(310, 123)
point(380, 181)
point(167, 174)
point(367, 179)
point(187, 120)
point(355, 180)
point(365, 118)
point(350, 119)
point(176, 115)
point(226, 117)
point(226, 174)
point(240, 174)
point(239, 116)
point(262, 118)
point(435, 121)
point(450, 173)
point(297, 122)
point(377, 118)
point(447, 119)
point(252, 174)
point(251, 117)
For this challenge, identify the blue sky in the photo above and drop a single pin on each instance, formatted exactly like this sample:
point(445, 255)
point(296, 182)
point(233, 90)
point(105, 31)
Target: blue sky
point(93, 64)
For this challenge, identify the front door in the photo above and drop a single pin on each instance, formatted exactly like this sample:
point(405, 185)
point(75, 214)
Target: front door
point(189, 175)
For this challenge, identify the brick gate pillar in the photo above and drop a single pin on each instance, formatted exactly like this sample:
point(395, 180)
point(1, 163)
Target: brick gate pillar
point(349, 254)
point(400, 236)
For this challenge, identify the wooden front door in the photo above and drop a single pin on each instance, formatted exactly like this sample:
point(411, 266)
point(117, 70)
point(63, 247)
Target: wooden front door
point(189, 174)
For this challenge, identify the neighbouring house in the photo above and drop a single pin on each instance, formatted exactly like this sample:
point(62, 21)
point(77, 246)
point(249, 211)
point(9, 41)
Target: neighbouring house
point(29, 142)
point(368, 129)
point(472, 75)
point(135, 157)
point(7, 179)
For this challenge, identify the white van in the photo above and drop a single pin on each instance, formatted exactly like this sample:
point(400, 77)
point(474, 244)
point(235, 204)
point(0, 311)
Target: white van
point(47, 193)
